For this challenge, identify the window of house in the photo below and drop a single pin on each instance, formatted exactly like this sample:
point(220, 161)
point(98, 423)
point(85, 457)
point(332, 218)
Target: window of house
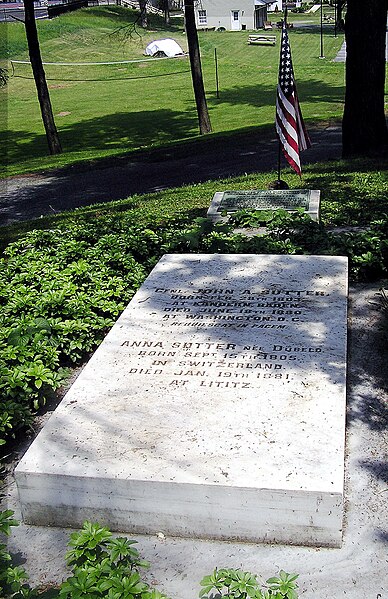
point(202, 17)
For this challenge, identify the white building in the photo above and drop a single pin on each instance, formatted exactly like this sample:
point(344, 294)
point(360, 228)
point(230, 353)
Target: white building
point(233, 15)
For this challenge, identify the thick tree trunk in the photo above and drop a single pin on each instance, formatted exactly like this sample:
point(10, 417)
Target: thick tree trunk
point(166, 12)
point(143, 13)
point(3, 77)
point(196, 68)
point(340, 5)
point(40, 78)
point(364, 128)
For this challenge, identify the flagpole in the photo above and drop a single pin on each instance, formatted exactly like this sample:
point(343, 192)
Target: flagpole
point(289, 125)
point(279, 184)
point(321, 55)
point(280, 145)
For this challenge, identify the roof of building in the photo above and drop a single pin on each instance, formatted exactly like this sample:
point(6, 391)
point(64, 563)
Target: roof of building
point(263, 2)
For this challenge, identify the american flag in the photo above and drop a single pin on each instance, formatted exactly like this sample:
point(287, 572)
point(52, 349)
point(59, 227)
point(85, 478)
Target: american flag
point(289, 122)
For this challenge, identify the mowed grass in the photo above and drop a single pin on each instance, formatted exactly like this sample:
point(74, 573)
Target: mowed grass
point(116, 109)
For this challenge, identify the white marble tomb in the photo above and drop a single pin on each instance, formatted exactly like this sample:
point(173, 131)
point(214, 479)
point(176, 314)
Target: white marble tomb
point(214, 408)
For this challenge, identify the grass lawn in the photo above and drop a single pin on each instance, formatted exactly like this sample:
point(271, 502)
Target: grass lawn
point(106, 110)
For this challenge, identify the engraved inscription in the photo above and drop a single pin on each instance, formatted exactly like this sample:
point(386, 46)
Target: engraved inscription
point(264, 200)
point(226, 364)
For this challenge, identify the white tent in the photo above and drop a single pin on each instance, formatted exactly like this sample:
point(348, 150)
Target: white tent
point(168, 46)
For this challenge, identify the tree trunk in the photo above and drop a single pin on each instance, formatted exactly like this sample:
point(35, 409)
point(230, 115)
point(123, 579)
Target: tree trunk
point(340, 19)
point(339, 6)
point(167, 12)
point(196, 68)
point(40, 78)
point(143, 13)
point(164, 5)
point(3, 77)
point(364, 127)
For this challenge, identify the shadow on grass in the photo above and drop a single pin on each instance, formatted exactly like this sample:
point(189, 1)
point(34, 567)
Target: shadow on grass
point(131, 17)
point(122, 130)
point(328, 29)
point(351, 198)
point(17, 146)
point(261, 95)
point(129, 129)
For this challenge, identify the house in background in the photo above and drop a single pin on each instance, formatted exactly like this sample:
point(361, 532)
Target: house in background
point(233, 15)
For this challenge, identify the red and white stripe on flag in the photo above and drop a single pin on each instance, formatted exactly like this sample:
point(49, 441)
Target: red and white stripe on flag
point(289, 122)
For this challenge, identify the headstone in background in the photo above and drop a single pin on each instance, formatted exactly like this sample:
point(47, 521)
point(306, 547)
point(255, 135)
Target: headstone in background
point(228, 202)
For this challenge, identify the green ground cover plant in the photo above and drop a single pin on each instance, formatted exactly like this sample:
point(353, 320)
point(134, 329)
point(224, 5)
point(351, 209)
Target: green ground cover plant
point(236, 584)
point(13, 579)
point(115, 109)
point(102, 566)
point(107, 566)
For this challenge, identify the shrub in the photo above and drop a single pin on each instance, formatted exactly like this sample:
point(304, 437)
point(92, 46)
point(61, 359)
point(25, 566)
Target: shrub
point(236, 584)
point(60, 292)
point(13, 579)
point(108, 567)
point(103, 566)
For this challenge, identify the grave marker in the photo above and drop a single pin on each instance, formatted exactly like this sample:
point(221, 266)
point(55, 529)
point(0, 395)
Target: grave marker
point(271, 199)
point(214, 408)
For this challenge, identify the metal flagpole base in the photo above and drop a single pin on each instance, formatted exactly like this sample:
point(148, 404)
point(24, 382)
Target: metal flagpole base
point(278, 184)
